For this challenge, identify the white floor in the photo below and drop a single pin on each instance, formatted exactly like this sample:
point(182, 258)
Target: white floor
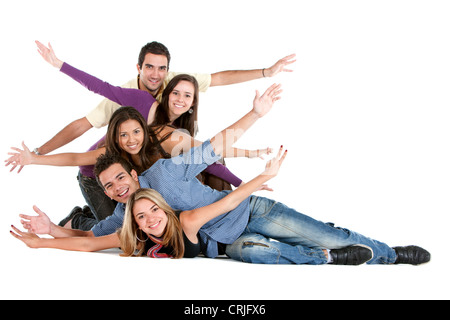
point(51, 274)
point(364, 115)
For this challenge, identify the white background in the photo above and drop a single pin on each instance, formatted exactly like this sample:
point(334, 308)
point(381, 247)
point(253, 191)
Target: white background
point(365, 118)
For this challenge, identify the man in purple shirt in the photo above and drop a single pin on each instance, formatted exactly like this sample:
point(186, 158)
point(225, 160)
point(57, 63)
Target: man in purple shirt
point(153, 68)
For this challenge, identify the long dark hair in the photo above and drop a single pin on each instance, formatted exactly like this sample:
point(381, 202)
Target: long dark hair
point(187, 120)
point(151, 149)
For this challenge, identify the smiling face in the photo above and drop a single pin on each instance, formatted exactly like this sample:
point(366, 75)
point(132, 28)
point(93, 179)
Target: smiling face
point(150, 218)
point(130, 136)
point(153, 72)
point(118, 183)
point(180, 99)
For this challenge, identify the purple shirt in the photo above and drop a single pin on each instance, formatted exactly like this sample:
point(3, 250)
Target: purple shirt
point(142, 101)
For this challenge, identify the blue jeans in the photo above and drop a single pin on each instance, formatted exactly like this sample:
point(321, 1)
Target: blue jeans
point(277, 234)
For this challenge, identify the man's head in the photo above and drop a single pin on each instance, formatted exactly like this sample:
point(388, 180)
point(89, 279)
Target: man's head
point(153, 66)
point(116, 176)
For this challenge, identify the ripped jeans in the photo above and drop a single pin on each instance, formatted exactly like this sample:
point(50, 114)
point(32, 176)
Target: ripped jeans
point(277, 234)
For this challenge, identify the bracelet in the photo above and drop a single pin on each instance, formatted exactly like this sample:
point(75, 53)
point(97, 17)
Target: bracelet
point(263, 72)
point(36, 151)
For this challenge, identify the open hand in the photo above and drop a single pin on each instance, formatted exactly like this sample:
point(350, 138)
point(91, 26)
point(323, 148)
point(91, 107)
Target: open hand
point(49, 55)
point(30, 239)
point(19, 158)
point(263, 104)
point(39, 224)
point(280, 66)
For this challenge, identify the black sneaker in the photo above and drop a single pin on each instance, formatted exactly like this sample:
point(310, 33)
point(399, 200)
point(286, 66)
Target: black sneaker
point(411, 255)
point(353, 255)
point(88, 212)
point(72, 213)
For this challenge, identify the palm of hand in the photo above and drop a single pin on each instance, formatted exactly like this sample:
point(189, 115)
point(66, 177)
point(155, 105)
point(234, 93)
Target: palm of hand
point(263, 104)
point(39, 224)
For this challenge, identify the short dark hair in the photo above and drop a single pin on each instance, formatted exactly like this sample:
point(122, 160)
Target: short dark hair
point(155, 48)
point(106, 160)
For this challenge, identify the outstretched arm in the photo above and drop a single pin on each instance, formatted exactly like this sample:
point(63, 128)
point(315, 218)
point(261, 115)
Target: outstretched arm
point(26, 157)
point(180, 142)
point(193, 220)
point(88, 244)
point(69, 133)
point(41, 224)
point(66, 239)
point(139, 99)
point(237, 76)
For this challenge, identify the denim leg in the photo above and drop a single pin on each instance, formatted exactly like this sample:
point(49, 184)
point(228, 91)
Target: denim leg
point(277, 221)
point(255, 248)
point(101, 206)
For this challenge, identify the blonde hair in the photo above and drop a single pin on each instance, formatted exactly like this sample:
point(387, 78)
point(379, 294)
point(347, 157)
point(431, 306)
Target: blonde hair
point(130, 234)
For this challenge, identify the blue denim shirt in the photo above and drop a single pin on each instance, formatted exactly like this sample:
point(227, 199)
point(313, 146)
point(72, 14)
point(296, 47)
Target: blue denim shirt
point(175, 179)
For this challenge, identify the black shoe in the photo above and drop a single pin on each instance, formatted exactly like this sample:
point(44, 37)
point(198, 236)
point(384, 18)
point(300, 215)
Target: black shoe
point(412, 255)
point(353, 255)
point(88, 212)
point(72, 213)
